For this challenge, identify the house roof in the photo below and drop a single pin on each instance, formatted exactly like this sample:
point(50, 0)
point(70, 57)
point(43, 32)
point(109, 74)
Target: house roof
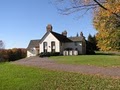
point(61, 37)
point(33, 43)
point(76, 39)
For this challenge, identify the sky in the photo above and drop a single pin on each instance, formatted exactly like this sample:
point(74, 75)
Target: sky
point(25, 20)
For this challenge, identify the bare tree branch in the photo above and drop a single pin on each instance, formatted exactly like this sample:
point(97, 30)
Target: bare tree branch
point(118, 16)
point(80, 5)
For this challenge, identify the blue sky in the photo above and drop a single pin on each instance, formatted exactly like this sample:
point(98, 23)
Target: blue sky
point(24, 20)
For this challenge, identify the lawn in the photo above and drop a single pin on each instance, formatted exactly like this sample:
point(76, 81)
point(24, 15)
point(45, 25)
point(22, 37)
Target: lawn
point(96, 60)
point(13, 77)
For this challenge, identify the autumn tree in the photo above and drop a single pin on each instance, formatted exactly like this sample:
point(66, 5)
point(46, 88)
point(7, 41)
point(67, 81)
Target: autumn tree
point(106, 20)
point(108, 27)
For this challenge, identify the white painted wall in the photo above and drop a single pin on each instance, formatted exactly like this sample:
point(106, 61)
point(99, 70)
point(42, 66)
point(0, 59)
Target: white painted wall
point(58, 48)
point(72, 45)
point(32, 52)
point(61, 48)
point(49, 38)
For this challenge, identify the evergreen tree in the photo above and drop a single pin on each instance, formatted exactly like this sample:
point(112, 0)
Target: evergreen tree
point(92, 40)
point(77, 35)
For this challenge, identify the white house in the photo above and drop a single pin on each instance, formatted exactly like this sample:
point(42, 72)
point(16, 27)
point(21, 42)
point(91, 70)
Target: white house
point(55, 42)
point(33, 48)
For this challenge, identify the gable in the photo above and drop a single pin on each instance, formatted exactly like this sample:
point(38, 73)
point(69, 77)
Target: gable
point(42, 39)
point(48, 37)
point(33, 43)
point(54, 35)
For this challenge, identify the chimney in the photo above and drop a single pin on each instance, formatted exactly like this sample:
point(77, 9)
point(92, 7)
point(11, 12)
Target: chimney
point(49, 28)
point(64, 33)
point(81, 34)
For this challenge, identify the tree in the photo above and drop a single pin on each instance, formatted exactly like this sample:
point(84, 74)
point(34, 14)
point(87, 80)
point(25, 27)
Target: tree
point(72, 6)
point(1, 45)
point(106, 20)
point(92, 40)
point(108, 27)
point(77, 35)
point(2, 52)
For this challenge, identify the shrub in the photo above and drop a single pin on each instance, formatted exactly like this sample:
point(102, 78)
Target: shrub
point(48, 54)
point(12, 54)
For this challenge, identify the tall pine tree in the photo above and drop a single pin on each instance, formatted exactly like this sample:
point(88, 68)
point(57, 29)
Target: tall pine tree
point(92, 40)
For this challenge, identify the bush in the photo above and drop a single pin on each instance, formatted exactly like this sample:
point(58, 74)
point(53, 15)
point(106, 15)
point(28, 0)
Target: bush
point(12, 54)
point(55, 54)
point(48, 54)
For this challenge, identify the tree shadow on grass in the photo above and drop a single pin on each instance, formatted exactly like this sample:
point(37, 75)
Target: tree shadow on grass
point(108, 53)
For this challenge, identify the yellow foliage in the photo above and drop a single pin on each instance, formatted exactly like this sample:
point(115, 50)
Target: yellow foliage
point(105, 22)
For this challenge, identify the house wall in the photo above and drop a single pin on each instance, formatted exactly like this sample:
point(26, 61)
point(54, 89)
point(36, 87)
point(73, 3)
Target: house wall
point(49, 38)
point(32, 52)
point(78, 46)
point(84, 47)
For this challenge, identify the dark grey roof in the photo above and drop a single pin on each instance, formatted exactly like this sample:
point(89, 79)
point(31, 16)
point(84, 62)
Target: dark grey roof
point(61, 37)
point(76, 39)
point(33, 43)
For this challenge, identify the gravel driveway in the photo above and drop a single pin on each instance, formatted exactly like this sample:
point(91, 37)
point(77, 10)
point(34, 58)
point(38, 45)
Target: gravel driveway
point(85, 69)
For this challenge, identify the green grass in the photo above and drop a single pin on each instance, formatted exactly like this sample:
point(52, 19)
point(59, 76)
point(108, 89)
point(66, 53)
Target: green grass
point(13, 77)
point(96, 60)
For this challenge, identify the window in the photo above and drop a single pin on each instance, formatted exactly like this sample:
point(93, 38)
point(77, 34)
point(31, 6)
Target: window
point(53, 46)
point(76, 48)
point(80, 43)
point(75, 43)
point(45, 46)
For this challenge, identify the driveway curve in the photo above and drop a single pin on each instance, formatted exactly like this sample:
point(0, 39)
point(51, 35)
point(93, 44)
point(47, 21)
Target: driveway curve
point(85, 69)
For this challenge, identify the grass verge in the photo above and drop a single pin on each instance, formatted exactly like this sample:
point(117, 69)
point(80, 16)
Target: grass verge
point(96, 60)
point(13, 77)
